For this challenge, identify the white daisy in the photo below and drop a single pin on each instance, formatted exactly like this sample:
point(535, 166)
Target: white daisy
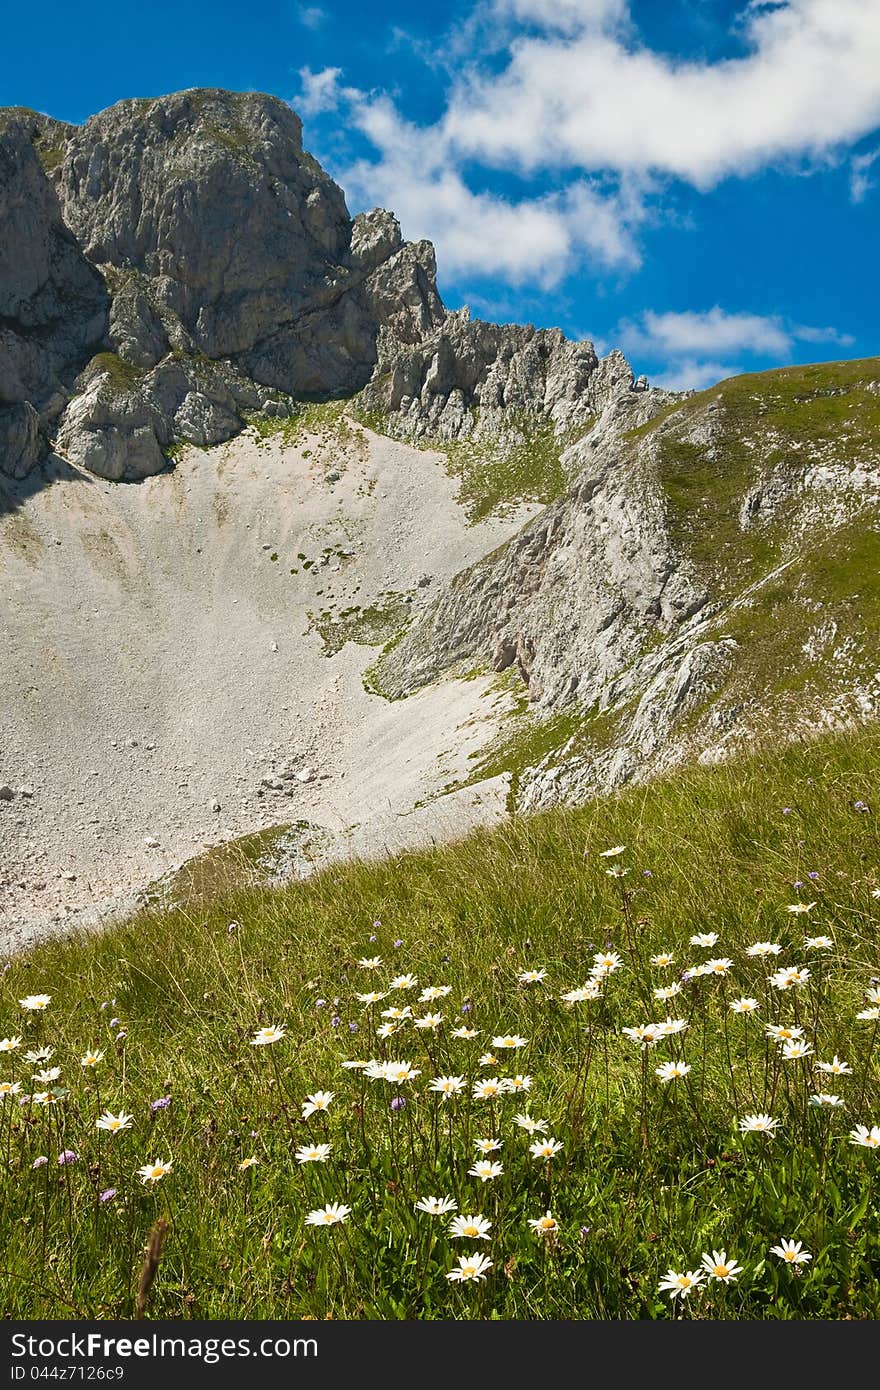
point(471, 1269)
point(545, 1148)
point(473, 1227)
point(758, 1124)
point(320, 1101)
point(264, 1036)
point(719, 1267)
point(680, 1285)
point(331, 1215)
point(436, 1206)
point(484, 1170)
point(447, 1086)
point(792, 1252)
point(313, 1153)
point(867, 1138)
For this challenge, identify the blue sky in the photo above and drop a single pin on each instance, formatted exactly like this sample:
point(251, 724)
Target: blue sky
point(692, 180)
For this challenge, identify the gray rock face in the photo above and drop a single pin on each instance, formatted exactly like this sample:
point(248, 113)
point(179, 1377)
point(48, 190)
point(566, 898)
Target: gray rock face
point(229, 264)
point(218, 240)
point(21, 442)
point(567, 600)
point(467, 377)
point(123, 419)
point(226, 239)
point(53, 304)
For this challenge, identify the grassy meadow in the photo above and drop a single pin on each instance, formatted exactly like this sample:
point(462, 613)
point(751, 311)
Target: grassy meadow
point(633, 1150)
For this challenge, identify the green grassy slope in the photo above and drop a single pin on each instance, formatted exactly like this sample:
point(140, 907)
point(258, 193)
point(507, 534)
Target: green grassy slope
point(650, 1175)
point(804, 561)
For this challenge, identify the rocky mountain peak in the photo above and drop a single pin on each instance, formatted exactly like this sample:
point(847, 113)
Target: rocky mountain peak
point(196, 264)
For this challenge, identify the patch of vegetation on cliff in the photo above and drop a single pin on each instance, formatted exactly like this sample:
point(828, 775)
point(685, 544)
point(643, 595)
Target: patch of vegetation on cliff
point(753, 432)
point(372, 626)
point(50, 156)
point(119, 375)
point(335, 435)
point(812, 628)
point(525, 739)
point(495, 473)
point(496, 476)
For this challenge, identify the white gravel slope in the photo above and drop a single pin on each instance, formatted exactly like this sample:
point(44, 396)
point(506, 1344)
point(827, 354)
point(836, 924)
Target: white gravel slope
point(156, 660)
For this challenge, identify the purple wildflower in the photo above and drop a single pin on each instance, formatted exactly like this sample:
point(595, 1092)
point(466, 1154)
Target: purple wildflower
point(335, 1021)
point(107, 1195)
point(786, 810)
point(813, 874)
point(320, 1003)
point(40, 1162)
point(68, 1156)
point(161, 1104)
point(352, 1028)
point(398, 1103)
point(466, 1008)
point(397, 943)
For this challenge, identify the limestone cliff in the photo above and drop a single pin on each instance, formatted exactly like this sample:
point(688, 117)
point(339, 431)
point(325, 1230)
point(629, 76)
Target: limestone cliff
point(184, 261)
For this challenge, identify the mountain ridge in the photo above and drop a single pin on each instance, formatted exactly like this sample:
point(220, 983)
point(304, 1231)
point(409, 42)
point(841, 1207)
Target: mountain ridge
point(233, 272)
point(389, 572)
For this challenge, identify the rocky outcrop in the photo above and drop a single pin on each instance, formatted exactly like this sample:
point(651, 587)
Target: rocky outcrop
point(197, 231)
point(707, 579)
point(468, 378)
point(567, 601)
point(206, 234)
point(53, 303)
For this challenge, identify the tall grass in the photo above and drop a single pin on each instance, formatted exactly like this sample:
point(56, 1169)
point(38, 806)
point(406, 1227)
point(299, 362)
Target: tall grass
point(651, 1174)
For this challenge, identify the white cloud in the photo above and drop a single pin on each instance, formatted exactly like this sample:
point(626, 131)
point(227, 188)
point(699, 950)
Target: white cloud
point(566, 16)
point(801, 333)
point(699, 334)
point(538, 239)
point(573, 93)
point(311, 16)
point(596, 100)
point(322, 91)
point(692, 375)
point(860, 182)
point(690, 344)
